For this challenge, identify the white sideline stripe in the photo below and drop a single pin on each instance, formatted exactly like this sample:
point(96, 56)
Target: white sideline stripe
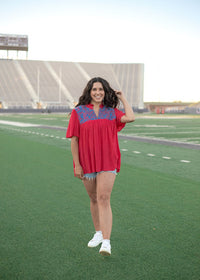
point(166, 157)
point(150, 155)
point(187, 161)
point(20, 124)
point(136, 152)
point(124, 150)
point(37, 133)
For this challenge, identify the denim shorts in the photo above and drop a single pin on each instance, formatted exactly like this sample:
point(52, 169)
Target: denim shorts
point(93, 175)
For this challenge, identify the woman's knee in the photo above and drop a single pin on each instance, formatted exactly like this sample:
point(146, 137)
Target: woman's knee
point(93, 197)
point(104, 198)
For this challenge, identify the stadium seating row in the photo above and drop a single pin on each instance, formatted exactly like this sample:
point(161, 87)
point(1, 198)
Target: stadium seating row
point(26, 83)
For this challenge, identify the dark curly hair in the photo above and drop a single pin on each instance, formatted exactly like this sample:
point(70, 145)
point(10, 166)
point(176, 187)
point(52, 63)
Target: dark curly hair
point(110, 98)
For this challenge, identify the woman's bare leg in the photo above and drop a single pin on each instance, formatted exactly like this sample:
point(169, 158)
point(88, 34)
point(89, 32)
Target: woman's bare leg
point(91, 189)
point(105, 182)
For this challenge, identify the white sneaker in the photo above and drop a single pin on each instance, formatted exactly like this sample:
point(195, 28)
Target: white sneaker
point(105, 249)
point(96, 240)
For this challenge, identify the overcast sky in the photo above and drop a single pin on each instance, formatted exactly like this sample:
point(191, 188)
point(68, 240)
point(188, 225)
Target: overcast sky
point(164, 35)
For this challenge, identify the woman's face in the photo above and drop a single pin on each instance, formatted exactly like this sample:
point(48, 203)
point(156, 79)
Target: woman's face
point(97, 93)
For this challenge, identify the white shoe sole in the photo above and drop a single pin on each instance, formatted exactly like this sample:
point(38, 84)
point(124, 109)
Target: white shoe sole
point(105, 253)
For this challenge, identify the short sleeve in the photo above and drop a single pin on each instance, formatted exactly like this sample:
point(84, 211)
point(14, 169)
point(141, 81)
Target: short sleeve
point(119, 114)
point(73, 128)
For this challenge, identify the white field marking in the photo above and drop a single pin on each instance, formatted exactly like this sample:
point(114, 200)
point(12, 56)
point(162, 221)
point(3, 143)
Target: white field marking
point(124, 150)
point(167, 117)
point(136, 152)
point(166, 132)
point(125, 141)
point(189, 138)
point(20, 124)
point(48, 119)
point(151, 155)
point(166, 157)
point(186, 161)
point(42, 134)
point(153, 125)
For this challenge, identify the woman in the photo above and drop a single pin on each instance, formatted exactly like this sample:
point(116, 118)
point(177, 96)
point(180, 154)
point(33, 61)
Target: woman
point(93, 130)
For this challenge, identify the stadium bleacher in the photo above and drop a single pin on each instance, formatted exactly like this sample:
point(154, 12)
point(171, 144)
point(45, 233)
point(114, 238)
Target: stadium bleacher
point(12, 88)
point(53, 84)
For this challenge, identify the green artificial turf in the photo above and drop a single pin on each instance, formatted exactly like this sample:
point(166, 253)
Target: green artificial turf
point(45, 218)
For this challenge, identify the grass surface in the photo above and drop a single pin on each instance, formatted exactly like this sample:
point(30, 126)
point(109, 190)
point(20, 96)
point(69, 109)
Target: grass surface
point(45, 219)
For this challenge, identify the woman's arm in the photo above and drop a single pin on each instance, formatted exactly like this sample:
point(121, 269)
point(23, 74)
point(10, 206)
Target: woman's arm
point(75, 154)
point(129, 114)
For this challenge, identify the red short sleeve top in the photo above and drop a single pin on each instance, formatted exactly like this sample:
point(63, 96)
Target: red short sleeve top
point(98, 141)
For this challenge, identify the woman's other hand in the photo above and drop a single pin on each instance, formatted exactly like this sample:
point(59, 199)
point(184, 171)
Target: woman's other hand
point(79, 172)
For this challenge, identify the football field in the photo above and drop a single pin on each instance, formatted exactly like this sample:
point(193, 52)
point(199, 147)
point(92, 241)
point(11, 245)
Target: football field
point(45, 217)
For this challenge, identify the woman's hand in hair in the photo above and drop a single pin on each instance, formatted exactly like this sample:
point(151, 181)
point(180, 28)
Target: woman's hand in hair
point(119, 94)
point(129, 114)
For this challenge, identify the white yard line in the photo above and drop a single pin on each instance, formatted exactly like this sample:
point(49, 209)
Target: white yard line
point(19, 124)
